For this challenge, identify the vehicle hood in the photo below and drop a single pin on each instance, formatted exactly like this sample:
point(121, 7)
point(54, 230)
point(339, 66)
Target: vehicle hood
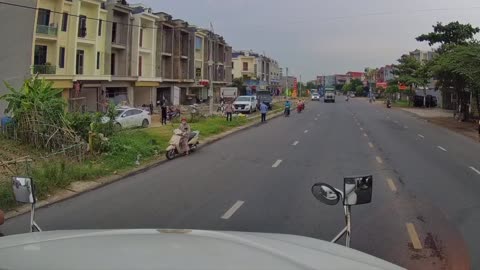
point(242, 103)
point(177, 249)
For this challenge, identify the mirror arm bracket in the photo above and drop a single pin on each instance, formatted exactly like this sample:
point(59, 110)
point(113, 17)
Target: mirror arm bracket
point(339, 235)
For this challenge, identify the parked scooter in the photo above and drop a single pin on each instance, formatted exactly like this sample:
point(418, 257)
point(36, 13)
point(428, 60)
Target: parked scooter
point(175, 149)
point(172, 113)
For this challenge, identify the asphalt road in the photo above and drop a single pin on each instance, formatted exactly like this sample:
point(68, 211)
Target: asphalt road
point(425, 206)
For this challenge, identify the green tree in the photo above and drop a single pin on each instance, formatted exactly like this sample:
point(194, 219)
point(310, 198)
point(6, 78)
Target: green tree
point(456, 41)
point(412, 73)
point(359, 91)
point(347, 88)
point(453, 33)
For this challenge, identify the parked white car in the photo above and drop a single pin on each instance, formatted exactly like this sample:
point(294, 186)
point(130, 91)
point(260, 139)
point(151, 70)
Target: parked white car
point(245, 104)
point(131, 117)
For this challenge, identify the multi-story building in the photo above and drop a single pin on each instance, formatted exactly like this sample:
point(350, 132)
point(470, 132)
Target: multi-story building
point(68, 47)
point(183, 55)
point(352, 75)
point(289, 81)
point(16, 46)
point(422, 56)
point(258, 71)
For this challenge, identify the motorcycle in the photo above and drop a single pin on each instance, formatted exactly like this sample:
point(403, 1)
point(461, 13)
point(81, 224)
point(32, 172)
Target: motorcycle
point(172, 113)
point(357, 190)
point(389, 104)
point(347, 98)
point(174, 149)
point(286, 112)
point(300, 107)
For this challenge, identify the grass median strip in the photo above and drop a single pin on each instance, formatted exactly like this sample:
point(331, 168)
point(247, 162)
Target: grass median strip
point(119, 157)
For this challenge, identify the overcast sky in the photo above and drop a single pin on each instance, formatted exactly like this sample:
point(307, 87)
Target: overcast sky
point(315, 37)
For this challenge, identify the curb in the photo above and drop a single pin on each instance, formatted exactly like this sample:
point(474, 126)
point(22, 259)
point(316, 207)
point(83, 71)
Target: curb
point(69, 193)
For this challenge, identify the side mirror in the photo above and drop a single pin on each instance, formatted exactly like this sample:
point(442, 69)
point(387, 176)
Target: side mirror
point(357, 190)
point(23, 189)
point(326, 193)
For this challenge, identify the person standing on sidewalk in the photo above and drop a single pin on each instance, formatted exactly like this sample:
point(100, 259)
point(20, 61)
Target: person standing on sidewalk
point(163, 106)
point(263, 111)
point(229, 111)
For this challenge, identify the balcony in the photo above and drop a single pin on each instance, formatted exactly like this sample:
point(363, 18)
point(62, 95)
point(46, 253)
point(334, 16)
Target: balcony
point(44, 69)
point(49, 30)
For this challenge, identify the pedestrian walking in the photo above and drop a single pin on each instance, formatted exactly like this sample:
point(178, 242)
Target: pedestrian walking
point(229, 111)
point(263, 111)
point(163, 106)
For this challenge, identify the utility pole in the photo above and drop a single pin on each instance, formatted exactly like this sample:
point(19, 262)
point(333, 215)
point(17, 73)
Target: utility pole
point(300, 90)
point(286, 81)
point(210, 68)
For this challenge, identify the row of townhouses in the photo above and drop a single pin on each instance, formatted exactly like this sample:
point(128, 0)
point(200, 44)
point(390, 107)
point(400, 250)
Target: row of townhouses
point(99, 51)
point(339, 79)
point(257, 71)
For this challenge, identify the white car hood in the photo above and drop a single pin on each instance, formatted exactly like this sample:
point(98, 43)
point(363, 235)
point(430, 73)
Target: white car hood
point(177, 249)
point(242, 103)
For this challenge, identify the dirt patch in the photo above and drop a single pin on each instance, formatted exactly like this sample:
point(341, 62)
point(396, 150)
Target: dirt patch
point(468, 129)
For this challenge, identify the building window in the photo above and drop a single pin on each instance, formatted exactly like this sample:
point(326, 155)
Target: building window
point(141, 37)
point(43, 17)
point(82, 26)
point(80, 61)
point(64, 22)
point(232, 65)
point(245, 66)
point(140, 65)
point(198, 43)
point(100, 22)
point(114, 32)
point(198, 73)
point(98, 60)
point(255, 69)
point(112, 65)
point(61, 58)
point(40, 56)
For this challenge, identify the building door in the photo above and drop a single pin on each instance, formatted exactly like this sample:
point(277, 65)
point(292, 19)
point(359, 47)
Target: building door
point(40, 56)
point(80, 61)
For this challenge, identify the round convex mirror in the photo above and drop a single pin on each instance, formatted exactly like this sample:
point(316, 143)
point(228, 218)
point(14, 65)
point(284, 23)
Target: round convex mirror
point(325, 193)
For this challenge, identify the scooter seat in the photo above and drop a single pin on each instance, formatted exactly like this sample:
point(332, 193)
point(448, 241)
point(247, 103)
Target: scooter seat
point(191, 135)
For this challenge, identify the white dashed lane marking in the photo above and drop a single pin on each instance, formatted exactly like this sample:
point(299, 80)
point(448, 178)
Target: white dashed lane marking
point(306, 131)
point(275, 165)
point(391, 185)
point(232, 210)
point(475, 170)
point(441, 148)
point(370, 144)
point(421, 136)
point(379, 160)
point(295, 143)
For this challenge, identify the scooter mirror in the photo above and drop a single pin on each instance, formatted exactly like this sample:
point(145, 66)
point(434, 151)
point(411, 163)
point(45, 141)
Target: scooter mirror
point(358, 190)
point(23, 189)
point(326, 193)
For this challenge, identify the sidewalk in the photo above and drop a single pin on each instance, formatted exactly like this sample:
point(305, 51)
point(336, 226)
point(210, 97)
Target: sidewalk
point(444, 118)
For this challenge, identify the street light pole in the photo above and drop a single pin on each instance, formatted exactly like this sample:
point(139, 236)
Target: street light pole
point(286, 81)
point(210, 67)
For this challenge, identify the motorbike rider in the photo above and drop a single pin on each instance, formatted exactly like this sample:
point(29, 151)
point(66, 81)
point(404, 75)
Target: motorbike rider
point(185, 128)
point(288, 104)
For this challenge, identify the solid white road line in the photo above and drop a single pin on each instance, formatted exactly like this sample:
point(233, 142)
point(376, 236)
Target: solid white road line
point(305, 131)
point(391, 184)
point(474, 169)
point(232, 210)
point(413, 236)
point(370, 144)
point(421, 136)
point(441, 148)
point(379, 160)
point(276, 163)
point(295, 143)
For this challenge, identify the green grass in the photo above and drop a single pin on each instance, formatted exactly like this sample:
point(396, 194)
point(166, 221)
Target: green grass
point(120, 156)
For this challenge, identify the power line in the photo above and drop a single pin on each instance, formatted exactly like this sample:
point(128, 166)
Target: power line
point(78, 16)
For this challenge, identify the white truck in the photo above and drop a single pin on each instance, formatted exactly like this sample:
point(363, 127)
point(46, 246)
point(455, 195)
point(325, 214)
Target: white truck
point(229, 93)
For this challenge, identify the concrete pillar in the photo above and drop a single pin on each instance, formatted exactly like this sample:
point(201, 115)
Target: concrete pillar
point(130, 96)
point(153, 96)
